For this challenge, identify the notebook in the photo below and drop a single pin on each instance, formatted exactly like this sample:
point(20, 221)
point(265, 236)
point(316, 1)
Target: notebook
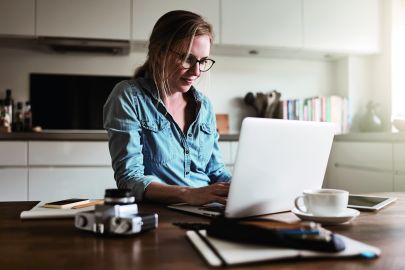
point(218, 252)
point(39, 212)
point(276, 160)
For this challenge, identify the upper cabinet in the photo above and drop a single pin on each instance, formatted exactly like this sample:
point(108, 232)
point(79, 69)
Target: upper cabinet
point(17, 17)
point(272, 23)
point(102, 19)
point(326, 26)
point(349, 26)
point(145, 13)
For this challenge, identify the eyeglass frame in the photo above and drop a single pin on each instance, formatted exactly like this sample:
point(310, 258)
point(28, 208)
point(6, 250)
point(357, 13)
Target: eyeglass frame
point(196, 61)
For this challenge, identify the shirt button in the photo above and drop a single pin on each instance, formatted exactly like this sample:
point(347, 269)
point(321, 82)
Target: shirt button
point(189, 135)
point(187, 152)
point(187, 172)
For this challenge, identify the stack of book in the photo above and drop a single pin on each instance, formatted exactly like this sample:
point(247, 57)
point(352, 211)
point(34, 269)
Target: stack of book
point(334, 109)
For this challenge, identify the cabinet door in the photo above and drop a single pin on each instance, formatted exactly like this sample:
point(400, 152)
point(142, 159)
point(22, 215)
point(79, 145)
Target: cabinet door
point(225, 148)
point(13, 184)
point(262, 23)
point(399, 166)
point(360, 181)
point(399, 157)
point(341, 26)
point(105, 19)
point(17, 17)
point(360, 167)
point(59, 153)
point(147, 12)
point(62, 183)
point(13, 154)
point(399, 182)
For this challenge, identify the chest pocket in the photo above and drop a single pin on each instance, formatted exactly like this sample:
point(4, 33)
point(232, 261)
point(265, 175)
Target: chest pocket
point(206, 142)
point(157, 141)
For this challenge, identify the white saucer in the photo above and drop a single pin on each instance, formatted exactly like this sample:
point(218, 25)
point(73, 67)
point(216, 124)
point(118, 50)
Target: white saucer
point(348, 215)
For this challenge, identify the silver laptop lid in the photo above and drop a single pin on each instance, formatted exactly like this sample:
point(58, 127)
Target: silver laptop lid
point(276, 160)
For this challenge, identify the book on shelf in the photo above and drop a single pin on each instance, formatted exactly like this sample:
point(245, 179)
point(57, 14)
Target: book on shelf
point(333, 109)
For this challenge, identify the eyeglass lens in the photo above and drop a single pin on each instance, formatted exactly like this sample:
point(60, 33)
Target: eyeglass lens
point(205, 63)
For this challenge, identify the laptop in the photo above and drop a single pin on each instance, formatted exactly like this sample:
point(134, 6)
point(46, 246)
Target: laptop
point(276, 160)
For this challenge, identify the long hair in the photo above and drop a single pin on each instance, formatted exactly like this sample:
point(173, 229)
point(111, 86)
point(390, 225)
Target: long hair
point(174, 31)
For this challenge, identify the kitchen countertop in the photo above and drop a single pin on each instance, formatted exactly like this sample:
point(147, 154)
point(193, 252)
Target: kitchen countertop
point(101, 135)
point(75, 135)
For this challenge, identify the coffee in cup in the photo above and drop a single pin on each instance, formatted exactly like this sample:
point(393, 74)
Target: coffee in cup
point(323, 202)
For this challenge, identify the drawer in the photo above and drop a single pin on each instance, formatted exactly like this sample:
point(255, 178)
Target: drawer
point(69, 153)
point(13, 184)
point(360, 181)
point(225, 148)
point(399, 157)
point(13, 153)
point(362, 155)
point(63, 183)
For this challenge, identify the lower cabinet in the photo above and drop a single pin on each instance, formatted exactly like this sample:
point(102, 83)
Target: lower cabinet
point(365, 167)
point(399, 182)
point(360, 181)
point(228, 152)
point(60, 183)
point(13, 184)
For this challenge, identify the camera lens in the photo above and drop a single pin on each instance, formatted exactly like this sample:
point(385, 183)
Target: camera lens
point(118, 196)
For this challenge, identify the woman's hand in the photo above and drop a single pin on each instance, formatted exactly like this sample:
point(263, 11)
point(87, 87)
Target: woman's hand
point(217, 192)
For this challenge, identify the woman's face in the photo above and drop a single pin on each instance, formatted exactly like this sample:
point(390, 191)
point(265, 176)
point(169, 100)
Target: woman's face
point(182, 79)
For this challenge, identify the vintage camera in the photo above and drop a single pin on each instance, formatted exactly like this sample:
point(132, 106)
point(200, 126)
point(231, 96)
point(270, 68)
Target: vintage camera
point(118, 215)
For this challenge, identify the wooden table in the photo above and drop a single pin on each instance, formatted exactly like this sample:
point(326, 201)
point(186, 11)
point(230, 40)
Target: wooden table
point(57, 244)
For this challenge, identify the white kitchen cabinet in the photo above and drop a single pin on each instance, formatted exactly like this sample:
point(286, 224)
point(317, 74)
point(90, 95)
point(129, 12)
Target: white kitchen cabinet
point(357, 180)
point(49, 184)
point(69, 153)
point(63, 169)
point(360, 167)
point(101, 19)
point(13, 153)
point(350, 26)
point(228, 152)
point(13, 171)
point(270, 23)
point(399, 182)
point(17, 17)
point(399, 157)
point(145, 13)
point(225, 148)
point(399, 166)
point(13, 184)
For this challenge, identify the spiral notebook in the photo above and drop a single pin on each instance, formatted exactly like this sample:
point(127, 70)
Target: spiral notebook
point(218, 252)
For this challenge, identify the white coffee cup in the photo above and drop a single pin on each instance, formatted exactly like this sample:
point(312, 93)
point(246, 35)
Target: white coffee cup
point(323, 202)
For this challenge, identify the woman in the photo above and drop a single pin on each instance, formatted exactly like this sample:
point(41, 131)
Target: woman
point(162, 132)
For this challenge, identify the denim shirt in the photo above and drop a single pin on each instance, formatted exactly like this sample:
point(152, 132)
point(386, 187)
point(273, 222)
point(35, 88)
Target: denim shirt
point(146, 144)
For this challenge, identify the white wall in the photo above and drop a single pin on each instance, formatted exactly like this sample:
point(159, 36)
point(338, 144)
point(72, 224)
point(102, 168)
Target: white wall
point(230, 79)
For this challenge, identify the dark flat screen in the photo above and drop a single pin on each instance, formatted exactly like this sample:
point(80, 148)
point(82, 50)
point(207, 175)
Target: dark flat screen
point(70, 101)
point(365, 201)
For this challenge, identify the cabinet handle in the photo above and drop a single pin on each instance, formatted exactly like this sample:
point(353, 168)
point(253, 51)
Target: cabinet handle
point(357, 167)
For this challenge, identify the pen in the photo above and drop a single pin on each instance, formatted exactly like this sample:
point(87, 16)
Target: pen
point(88, 204)
point(299, 231)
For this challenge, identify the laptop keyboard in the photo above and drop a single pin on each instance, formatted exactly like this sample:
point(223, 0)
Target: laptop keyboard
point(219, 208)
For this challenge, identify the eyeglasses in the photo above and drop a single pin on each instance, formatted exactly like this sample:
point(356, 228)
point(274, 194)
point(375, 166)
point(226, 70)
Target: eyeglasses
point(190, 61)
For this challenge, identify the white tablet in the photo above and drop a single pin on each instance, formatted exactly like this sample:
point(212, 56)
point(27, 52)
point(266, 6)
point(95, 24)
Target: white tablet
point(369, 203)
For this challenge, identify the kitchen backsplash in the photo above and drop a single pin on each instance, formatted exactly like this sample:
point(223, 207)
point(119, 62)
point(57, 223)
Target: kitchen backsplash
point(226, 85)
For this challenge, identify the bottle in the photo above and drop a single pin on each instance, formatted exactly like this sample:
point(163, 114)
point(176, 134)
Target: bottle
point(27, 117)
point(18, 124)
point(5, 125)
point(9, 104)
